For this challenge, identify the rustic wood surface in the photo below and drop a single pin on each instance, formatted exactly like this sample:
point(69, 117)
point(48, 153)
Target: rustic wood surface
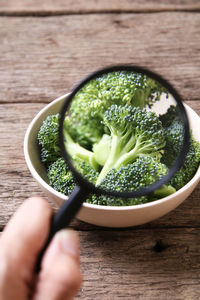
point(42, 58)
point(45, 49)
point(37, 7)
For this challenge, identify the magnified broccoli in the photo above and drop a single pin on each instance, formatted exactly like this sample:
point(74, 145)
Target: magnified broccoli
point(173, 131)
point(76, 151)
point(134, 132)
point(145, 171)
point(116, 142)
point(90, 103)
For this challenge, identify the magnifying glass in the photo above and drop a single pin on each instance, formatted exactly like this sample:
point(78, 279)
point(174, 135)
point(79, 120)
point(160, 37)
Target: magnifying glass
point(112, 137)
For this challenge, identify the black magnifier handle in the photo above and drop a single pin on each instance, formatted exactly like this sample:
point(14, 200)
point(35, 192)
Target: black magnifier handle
point(63, 218)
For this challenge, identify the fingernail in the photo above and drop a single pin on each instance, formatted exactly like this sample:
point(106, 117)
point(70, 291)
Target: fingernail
point(69, 242)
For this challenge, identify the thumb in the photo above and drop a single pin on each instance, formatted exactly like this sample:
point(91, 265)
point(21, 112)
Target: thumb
point(60, 276)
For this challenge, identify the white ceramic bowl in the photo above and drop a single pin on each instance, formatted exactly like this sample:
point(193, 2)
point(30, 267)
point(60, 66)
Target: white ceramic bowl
point(108, 216)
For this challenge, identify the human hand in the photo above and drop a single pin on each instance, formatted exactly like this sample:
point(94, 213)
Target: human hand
point(20, 244)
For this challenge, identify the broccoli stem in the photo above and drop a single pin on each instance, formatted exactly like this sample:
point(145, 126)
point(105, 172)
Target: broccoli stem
point(77, 151)
point(118, 154)
point(140, 148)
point(128, 157)
point(128, 144)
point(118, 158)
point(164, 191)
point(102, 149)
point(113, 156)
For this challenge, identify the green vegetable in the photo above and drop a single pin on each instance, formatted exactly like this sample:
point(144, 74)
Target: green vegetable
point(189, 167)
point(60, 177)
point(48, 139)
point(134, 132)
point(172, 114)
point(86, 170)
point(90, 103)
point(102, 149)
point(115, 142)
point(173, 129)
point(142, 173)
point(78, 152)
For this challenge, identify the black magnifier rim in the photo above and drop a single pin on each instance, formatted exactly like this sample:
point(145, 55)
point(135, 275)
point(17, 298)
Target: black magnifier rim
point(88, 186)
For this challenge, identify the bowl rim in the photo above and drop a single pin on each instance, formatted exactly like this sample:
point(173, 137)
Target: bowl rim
point(42, 182)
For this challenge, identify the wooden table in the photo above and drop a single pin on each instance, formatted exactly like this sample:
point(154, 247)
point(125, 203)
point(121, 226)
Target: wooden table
point(44, 49)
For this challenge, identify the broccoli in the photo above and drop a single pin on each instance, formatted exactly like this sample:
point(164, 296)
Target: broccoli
point(173, 129)
point(189, 167)
point(86, 170)
point(76, 151)
point(174, 139)
point(101, 149)
point(115, 142)
point(134, 132)
point(172, 114)
point(145, 171)
point(61, 179)
point(89, 104)
point(48, 139)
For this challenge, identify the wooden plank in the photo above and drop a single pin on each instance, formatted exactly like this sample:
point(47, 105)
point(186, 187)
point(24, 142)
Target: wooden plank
point(23, 7)
point(135, 264)
point(16, 183)
point(42, 58)
point(139, 264)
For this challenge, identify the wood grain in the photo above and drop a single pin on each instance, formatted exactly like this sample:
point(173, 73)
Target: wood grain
point(24, 7)
point(44, 57)
point(139, 264)
point(17, 184)
point(40, 59)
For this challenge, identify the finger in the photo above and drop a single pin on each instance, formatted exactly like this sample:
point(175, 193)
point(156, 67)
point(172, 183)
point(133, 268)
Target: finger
point(60, 276)
point(20, 243)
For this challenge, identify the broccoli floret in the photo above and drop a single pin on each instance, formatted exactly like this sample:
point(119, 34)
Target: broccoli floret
point(86, 170)
point(174, 139)
point(48, 139)
point(173, 129)
point(189, 167)
point(134, 132)
point(60, 177)
point(172, 114)
point(143, 172)
point(89, 104)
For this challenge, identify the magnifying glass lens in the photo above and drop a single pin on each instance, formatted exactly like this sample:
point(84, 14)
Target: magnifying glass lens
point(124, 133)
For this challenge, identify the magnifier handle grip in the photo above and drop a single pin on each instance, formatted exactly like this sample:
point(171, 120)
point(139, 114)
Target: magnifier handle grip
point(63, 218)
